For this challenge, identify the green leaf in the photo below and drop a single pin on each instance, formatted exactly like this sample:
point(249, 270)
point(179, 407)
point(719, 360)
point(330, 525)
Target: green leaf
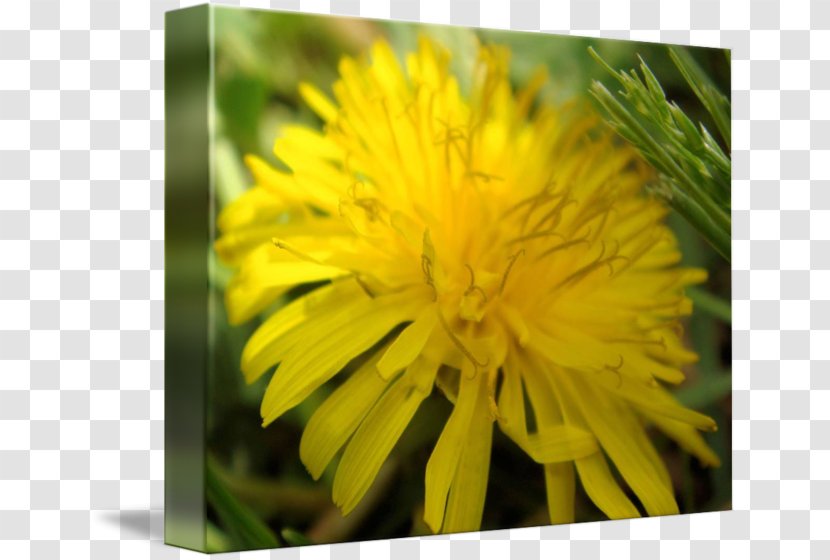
point(705, 392)
point(712, 99)
point(294, 537)
point(215, 539)
point(242, 525)
point(694, 172)
point(709, 303)
point(231, 175)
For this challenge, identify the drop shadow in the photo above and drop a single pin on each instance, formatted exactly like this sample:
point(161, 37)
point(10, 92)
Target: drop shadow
point(137, 524)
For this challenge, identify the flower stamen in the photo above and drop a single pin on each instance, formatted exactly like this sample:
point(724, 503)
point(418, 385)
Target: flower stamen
point(460, 345)
point(661, 342)
point(281, 244)
point(492, 382)
point(595, 264)
point(473, 287)
point(371, 206)
point(555, 214)
point(426, 267)
point(564, 245)
point(616, 369)
point(510, 264)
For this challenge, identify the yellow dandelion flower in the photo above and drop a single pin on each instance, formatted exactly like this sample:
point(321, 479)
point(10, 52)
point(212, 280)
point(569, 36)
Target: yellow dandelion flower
point(498, 248)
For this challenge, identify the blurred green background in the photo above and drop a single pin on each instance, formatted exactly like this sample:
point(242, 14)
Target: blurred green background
point(259, 493)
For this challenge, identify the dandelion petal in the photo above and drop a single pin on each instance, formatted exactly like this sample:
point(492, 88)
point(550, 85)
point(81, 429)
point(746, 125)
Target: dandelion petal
point(603, 490)
point(444, 460)
point(409, 343)
point(338, 417)
point(465, 504)
point(624, 441)
point(560, 484)
point(313, 362)
point(378, 433)
point(280, 332)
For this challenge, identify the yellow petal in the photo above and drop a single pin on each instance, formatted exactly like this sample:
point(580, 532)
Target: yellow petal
point(293, 273)
point(655, 399)
point(603, 490)
point(313, 179)
point(593, 470)
point(312, 142)
point(409, 229)
point(512, 418)
point(637, 360)
point(560, 443)
point(516, 323)
point(537, 378)
point(387, 70)
point(673, 351)
point(234, 245)
point(268, 270)
point(314, 361)
point(256, 205)
point(445, 456)
point(318, 102)
point(338, 417)
point(560, 352)
point(330, 304)
point(686, 437)
point(244, 301)
point(279, 185)
point(378, 433)
point(429, 65)
point(623, 438)
point(643, 395)
point(465, 503)
point(329, 179)
point(560, 485)
point(409, 343)
point(553, 440)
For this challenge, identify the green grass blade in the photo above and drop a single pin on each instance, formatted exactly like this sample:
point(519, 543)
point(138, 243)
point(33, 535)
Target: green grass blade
point(243, 526)
point(717, 237)
point(704, 393)
point(294, 537)
point(663, 159)
point(695, 173)
point(712, 99)
point(709, 303)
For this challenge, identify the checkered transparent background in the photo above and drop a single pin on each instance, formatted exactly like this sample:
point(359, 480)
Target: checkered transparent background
point(81, 279)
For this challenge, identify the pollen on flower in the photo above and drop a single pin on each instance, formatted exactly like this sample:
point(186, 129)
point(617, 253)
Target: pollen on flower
point(509, 246)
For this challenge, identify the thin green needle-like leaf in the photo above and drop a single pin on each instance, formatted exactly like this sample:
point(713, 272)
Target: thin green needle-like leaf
point(704, 393)
point(715, 102)
point(711, 304)
point(667, 163)
point(694, 171)
point(241, 523)
point(294, 537)
point(718, 238)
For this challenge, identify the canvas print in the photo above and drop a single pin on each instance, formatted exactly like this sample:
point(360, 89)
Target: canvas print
point(431, 279)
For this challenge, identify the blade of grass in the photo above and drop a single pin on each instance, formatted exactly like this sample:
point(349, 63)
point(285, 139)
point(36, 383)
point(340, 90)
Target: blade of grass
point(709, 303)
point(216, 540)
point(294, 537)
point(705, 90)
point(242, 525)
point(694, 172)
point(719, 239)
point(716, 232)
point(668, 165)
point(704, 393)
